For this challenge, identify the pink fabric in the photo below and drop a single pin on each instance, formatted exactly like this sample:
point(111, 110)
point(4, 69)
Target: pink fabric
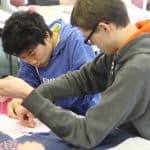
point(138, 3)
point(3, 105)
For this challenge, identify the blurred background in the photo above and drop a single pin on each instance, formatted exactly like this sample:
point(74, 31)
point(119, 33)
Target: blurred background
point(51, 10)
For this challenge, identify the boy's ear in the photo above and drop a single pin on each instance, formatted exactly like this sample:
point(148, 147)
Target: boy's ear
point(104, 27)
point(47, 36)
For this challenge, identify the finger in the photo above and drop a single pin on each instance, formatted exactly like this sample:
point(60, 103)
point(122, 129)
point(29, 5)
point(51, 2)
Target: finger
point(31, 119)
point(12, 106)
point(11, 111)
point(27, 121)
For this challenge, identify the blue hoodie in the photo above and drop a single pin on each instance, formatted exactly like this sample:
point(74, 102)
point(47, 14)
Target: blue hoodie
point(69, 54)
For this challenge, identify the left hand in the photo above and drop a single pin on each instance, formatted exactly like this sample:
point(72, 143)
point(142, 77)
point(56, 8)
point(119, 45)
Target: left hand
point(15, 87)
point(12, 106)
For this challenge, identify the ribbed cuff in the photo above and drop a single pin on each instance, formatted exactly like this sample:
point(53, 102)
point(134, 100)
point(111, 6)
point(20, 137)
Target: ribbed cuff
point(35, 102)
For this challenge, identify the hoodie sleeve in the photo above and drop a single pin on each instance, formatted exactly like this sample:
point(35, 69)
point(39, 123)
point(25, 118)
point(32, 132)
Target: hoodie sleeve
point(118, 103)
point(90, 130)
point(88, 80)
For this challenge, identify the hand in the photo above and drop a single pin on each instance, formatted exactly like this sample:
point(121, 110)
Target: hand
point(25, 117)
point(30, 146)
point(12, 106)
point(15, 87)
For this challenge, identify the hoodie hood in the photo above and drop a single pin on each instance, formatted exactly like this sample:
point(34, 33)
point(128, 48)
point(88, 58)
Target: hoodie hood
point(135, 42)
point(66, 33)
point(143, 27)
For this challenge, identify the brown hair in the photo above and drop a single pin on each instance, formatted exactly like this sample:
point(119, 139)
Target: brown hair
point(88, 13)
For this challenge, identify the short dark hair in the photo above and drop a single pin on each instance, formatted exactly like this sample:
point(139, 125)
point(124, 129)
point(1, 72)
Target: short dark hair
point(88, 13)
point(23, 31)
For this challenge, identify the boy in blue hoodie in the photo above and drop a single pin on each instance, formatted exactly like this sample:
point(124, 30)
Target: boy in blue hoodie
point(47, 52)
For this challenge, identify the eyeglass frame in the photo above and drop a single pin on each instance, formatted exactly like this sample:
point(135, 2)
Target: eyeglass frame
point(90, 35)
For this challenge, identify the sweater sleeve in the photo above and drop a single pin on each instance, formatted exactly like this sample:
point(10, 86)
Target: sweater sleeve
point(118, 103)
point(88, 80)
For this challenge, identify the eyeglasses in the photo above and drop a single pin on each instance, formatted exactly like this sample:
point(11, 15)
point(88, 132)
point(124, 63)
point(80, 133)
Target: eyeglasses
point(87, 40)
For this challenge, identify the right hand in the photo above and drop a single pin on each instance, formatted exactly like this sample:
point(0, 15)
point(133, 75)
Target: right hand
point(12, 106)
point(14, 87)
point(25, 117)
